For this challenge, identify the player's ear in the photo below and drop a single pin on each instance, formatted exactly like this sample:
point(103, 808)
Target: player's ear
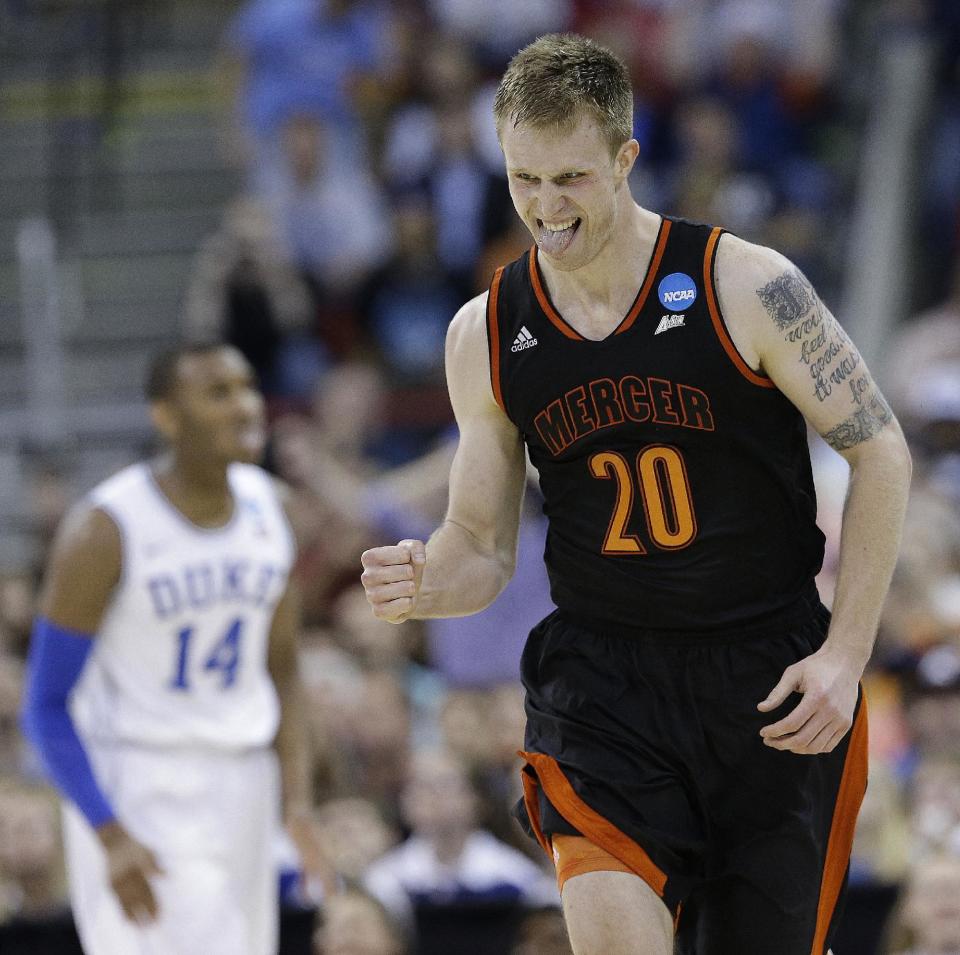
point(626, 156)
point(165, 420)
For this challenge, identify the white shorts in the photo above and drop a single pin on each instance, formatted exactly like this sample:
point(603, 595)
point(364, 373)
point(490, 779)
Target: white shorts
point(211, 818)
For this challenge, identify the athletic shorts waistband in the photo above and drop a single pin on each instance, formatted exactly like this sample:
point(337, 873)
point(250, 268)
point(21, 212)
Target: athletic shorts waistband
point(805, 608)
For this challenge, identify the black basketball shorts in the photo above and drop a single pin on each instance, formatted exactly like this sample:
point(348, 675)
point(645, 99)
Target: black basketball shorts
point(648, 744)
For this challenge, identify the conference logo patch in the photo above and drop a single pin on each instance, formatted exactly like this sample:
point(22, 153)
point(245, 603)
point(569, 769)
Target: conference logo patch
point(677, 291)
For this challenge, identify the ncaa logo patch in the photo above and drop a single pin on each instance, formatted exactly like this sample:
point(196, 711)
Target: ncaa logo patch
point(677, 291)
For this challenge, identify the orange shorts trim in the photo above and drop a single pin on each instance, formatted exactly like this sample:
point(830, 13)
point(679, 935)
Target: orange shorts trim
point(547, 773)
point(576, 855)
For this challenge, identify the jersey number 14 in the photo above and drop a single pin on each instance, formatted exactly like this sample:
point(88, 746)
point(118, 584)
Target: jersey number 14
point(223, 659)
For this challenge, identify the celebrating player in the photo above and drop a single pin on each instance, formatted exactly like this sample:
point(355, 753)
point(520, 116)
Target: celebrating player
point(167, 606)
point(696, 738)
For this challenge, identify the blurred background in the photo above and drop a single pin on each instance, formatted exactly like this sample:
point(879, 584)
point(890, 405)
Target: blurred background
point(319, 182)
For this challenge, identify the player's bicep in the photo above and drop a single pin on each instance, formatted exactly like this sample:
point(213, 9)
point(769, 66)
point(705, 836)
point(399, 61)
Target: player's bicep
point(83, 570)
point(487, 475)
point(813, 361)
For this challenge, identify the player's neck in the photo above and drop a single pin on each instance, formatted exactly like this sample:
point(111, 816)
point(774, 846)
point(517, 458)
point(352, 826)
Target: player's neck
point(613, 276)
point(199, 490)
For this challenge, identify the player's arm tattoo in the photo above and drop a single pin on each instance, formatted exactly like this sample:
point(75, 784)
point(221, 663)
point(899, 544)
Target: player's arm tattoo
point(861, 425)
point(829, 355)
point(788, 298)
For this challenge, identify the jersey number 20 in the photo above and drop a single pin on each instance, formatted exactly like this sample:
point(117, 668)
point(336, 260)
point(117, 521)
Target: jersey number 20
point(224, 658)
point(665, 494)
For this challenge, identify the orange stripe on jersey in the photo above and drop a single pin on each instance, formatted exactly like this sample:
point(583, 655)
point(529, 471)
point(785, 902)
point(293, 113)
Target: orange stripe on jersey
point(719, 325)
point(545, 302)
point(493, 337)
point(651, 275)
point(853, 785)
point(601, 832)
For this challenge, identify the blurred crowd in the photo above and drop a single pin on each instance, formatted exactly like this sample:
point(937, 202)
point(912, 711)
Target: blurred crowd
point(373, 205)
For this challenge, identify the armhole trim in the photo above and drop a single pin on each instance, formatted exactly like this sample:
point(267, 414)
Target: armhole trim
point(493, 337)
point(719, 325)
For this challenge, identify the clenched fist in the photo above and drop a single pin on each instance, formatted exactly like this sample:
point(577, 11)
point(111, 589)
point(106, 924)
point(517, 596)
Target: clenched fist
point(391, 577)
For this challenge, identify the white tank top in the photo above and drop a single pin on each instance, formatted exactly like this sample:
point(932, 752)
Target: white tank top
point(181, 656)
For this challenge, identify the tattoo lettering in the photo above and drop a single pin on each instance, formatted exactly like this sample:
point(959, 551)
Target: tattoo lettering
point(810, 347)
point(825, 348)
point(861, 425)
point(858, 387)
point(848, 364)
point(787, 298)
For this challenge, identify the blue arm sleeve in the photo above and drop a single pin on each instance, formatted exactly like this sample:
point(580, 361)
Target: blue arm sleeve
point(56, 660)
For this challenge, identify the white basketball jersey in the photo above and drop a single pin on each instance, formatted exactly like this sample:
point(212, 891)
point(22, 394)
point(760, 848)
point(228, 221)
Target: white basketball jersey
point(181, 656)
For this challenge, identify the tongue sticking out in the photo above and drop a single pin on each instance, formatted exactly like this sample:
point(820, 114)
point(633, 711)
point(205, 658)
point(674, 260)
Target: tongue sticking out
point(553, 243)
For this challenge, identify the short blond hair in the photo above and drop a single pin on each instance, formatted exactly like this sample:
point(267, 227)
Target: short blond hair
point(558, 77)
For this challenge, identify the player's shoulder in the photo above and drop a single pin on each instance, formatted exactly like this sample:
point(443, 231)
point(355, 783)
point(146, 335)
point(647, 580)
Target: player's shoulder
point(254, 482)
point(89, 536)
point(744, 263)
point(468, 329)
point(250, 474)
point(471, 317)
point(125, 483)
point(748, 278)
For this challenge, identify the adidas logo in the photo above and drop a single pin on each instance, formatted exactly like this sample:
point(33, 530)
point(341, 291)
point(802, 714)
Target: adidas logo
point(523, 340)
point(669, 321)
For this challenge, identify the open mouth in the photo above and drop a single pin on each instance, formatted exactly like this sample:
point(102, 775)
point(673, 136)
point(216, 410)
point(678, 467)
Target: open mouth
point(555, 237)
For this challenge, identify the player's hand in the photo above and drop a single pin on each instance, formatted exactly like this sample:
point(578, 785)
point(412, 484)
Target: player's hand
point(391, 578)
point(319, 875)
point(131, 865)
point(829, 684)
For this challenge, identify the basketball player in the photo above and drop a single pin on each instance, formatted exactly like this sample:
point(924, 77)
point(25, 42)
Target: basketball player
point(696, 742)
point(167, 606)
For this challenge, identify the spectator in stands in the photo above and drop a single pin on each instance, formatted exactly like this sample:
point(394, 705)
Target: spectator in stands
point(751, 39)
point(361, 722)
point(498, 28)
point(32, 882)
point(354, 833)
point(18, 595)
point(12, 750)
point(935, 805)
point(381, 738)
point(409, 302)
point(542, 932)
point(307, 57)
point(880, 846)
point(464, 726)
point(932, 701)
point(327, 458)
point(940, 181)
point(708, 185)
point(331, 215)
point(432, 146)
point(331, 682)
point(377, 645)
point(928, 919)
point(925, 340)
point(247, 291)
point(355, 923)
point(447, 860)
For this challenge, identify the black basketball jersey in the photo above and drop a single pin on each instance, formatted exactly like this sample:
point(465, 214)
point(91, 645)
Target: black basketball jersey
point(676, 480)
